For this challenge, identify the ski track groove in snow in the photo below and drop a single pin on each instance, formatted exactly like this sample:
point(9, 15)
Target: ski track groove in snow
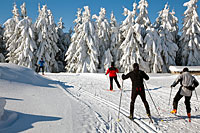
point(146, 127)
point(95, 84)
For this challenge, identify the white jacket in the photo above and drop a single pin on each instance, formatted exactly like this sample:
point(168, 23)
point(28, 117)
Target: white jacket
point(186, 80)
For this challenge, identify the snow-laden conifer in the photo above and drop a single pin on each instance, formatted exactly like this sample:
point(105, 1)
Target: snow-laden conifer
point(23, 10)
point(83, 52)
point(132, 44)
point(47, 39)
point(115, 40)
point(189, 42)
point(153, 49)
point(103, 30)
point(22, 47)
point(63, 44)
point(108, 59)
point(166, 24)
point(2, 46)
point(9, 28)
point(142, 17)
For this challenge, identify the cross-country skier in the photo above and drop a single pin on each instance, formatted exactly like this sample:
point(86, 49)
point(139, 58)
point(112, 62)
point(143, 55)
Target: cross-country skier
point(188, 84)
point(113, 75)
point(41, 65)
point(137, 77)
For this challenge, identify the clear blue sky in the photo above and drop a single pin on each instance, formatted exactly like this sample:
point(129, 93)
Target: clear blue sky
point(68, 8)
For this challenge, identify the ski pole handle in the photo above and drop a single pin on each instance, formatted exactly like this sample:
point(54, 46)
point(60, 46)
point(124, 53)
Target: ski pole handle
point(170, 96)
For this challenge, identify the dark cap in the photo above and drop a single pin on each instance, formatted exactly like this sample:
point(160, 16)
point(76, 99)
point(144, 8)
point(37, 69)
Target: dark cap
point(136, 66)
point(112, 63)
point(185, 69)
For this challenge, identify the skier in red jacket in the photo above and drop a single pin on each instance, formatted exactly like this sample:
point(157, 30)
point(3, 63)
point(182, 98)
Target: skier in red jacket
point(112, 74)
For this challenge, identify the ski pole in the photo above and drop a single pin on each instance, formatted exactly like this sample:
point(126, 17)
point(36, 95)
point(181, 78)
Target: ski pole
point(196, 95)
point(108, 81)
point(152, 99)
point(170, 96)
point(120, 102)
point(119, 78)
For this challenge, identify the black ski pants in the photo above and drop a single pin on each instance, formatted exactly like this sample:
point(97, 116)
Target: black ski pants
point(42, 69)
point(187, 101)
point(116, 81)
point(141, 93)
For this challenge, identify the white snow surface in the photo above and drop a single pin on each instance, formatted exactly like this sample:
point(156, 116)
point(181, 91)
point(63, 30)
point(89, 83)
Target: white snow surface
point(80, 103)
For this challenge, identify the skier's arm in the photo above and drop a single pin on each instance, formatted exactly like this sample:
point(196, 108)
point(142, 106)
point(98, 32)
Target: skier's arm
point(126, 76)
point(107, 71)
point(178, 79)
point(195, 82)
point(145, 76)
point(117, 70)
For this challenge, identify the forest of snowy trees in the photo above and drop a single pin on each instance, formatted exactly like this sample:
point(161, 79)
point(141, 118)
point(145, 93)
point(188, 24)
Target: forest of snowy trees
point(96, 41)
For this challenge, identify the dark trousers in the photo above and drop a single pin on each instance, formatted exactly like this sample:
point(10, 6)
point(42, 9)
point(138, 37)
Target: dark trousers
point(116, 81)
point(42, 69)
point(187, 101)
point(141, 93)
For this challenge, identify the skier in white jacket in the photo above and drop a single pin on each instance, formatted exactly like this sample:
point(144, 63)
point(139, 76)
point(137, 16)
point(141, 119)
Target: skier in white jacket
point(188, 84)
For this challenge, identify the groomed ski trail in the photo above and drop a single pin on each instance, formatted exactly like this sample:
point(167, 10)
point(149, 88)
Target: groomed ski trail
point(147, 127)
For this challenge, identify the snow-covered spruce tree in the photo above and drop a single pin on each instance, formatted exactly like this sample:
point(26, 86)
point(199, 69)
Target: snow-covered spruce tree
point(142, 17)
point(103, 30)
point(189, 43)
point(25, 53)
point(132, 45)
point(2, 46)
point(166, 24)
point(115, 40)
point(24, 40)
point(83, 52)
point(63, 44)
point(47, 39)
point(9, 29)
point(153, 48)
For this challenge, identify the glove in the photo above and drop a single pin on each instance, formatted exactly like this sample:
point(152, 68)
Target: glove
point(172, 85)
point(105, 74)
point(191, 88)
point(123, 76)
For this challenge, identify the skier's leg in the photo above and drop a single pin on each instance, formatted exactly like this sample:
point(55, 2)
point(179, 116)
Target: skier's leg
point(143, 97)
point(111, 83)
point(43, 70)
point(39, 69)
point(133, 97)
point(116, 81)
point(187, 104)
point(176, 99)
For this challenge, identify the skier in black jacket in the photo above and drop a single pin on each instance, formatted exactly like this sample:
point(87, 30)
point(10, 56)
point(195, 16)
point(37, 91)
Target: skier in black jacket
point(137, 77)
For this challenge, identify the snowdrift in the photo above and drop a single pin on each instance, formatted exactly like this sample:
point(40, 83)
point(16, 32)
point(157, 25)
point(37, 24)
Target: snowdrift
point(14, 73)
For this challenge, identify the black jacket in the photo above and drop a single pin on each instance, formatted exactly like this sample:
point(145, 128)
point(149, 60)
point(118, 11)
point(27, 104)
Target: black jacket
point(137, 77)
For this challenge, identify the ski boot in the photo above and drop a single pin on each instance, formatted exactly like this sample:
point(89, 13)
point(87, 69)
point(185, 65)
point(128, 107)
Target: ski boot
point(174, 111)
point(189, 116)
point(130, 117)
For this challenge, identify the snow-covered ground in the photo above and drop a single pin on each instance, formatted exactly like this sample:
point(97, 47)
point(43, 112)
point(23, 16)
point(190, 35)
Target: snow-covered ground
point(78, 103)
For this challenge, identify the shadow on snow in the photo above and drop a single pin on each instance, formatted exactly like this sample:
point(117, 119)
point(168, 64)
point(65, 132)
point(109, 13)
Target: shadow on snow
point(26, 121)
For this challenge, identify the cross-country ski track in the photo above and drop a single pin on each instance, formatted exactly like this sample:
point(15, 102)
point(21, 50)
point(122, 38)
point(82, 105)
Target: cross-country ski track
point(92, 91)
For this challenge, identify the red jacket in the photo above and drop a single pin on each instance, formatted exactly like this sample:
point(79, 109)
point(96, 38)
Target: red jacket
point(112, 71)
